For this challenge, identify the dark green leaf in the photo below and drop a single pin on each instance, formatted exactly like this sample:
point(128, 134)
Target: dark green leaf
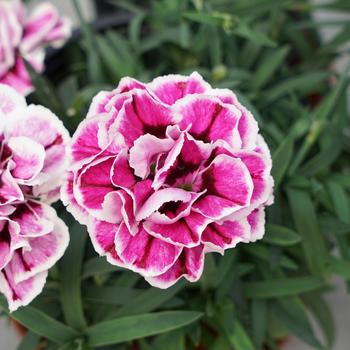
point(140, 326)
point(276, 288)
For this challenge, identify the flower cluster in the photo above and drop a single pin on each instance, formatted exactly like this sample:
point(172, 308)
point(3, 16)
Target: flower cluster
point(33, 154)
point(165, 172)
point(24, 36)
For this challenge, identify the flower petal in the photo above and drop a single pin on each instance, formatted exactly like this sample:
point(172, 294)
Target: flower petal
point(94, 184)
point(189, 264)
point(9, 189)
point(28, 157)
point(21, 294)
point(43, 252)
point(185, 232)
point(229, 187)
point(144, 253)
point(34, 219)
point(143, 151)
point(225, 235)
point(170, 88)
point(142, 114)
point(209, 119)
point(10, 99)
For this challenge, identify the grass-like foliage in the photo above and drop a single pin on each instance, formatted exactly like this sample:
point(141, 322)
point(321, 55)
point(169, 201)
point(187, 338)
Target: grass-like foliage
point(270, 53)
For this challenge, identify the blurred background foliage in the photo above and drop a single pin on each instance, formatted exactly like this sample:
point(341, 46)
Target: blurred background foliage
point(271, 54)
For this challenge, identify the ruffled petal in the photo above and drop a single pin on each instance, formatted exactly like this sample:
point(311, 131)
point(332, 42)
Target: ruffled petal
point(208, 119)
point(28, 157)
point(170, 88)
point(23, 293)
point(142, 114)
point(229, 187)
point(189, 265)
point(144, 253)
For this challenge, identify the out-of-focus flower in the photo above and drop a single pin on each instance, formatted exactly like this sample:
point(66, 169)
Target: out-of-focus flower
point(33, 155)
point(165, 172)
point(25, 36)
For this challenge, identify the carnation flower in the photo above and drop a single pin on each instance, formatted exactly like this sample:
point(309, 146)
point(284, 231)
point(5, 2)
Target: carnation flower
point(24, 36)
point(33, 161)
point(166, 172)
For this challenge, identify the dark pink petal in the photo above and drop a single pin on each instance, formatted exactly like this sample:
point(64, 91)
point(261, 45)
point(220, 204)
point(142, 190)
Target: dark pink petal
point(185, 232)
point(158, 199)
point(10, 99)
point(20, 294)
point(183, 163)
point(256, 220)
point(94, 183)
point(43, 253)
point(39, 26)
point(259, 169)
point(18, 77)
point(189, 264)
point(227, 234)
point(102, 235)
point(99, 103)
point(57, 36)
point(122, 174)
point(229, 187)
point(128, 84)
point(34, 219)
point(9, 189)
point(142, 114)
point(9, 240)
point(171, 88)
point(224, 95)
point(209, 119)
point(248, 128)
point(28, 157)
point(144, 150)
point(69, 200)
point(144, 253)
point(85, 143)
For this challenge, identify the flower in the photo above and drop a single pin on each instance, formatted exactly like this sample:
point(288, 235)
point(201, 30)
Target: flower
point(33, 155)
point(165, 172)
point(24, 36)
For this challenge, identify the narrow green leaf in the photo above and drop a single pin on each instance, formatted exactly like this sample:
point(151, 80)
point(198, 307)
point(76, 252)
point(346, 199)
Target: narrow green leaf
point(281, 159)
point(41, 324)
point(292, 314)
point(282, 287)
point(271, 62)
point(301, 83)
point(323, 315)
point(305, 219)
point(97, 265)
point(280, 235)
point(259, 319)
point(70, 272)
point(140, 326)
point(234, 331)
point(111, 295)
point(149, 300)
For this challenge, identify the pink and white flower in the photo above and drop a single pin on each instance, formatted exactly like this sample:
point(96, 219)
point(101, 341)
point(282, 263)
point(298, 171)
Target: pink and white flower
point(166, 172)
point(33, 159)
point(25, 36)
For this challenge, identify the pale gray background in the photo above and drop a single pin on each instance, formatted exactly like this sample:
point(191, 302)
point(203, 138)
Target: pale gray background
point(339, 299)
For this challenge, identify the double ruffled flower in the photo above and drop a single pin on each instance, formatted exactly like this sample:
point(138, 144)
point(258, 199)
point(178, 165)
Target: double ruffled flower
point(24, 36)
point(33, 155)
point(165, 172)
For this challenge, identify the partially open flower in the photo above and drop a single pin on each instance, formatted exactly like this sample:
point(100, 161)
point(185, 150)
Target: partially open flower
point(33, 156)
point(165, 172)
point(24, 36)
